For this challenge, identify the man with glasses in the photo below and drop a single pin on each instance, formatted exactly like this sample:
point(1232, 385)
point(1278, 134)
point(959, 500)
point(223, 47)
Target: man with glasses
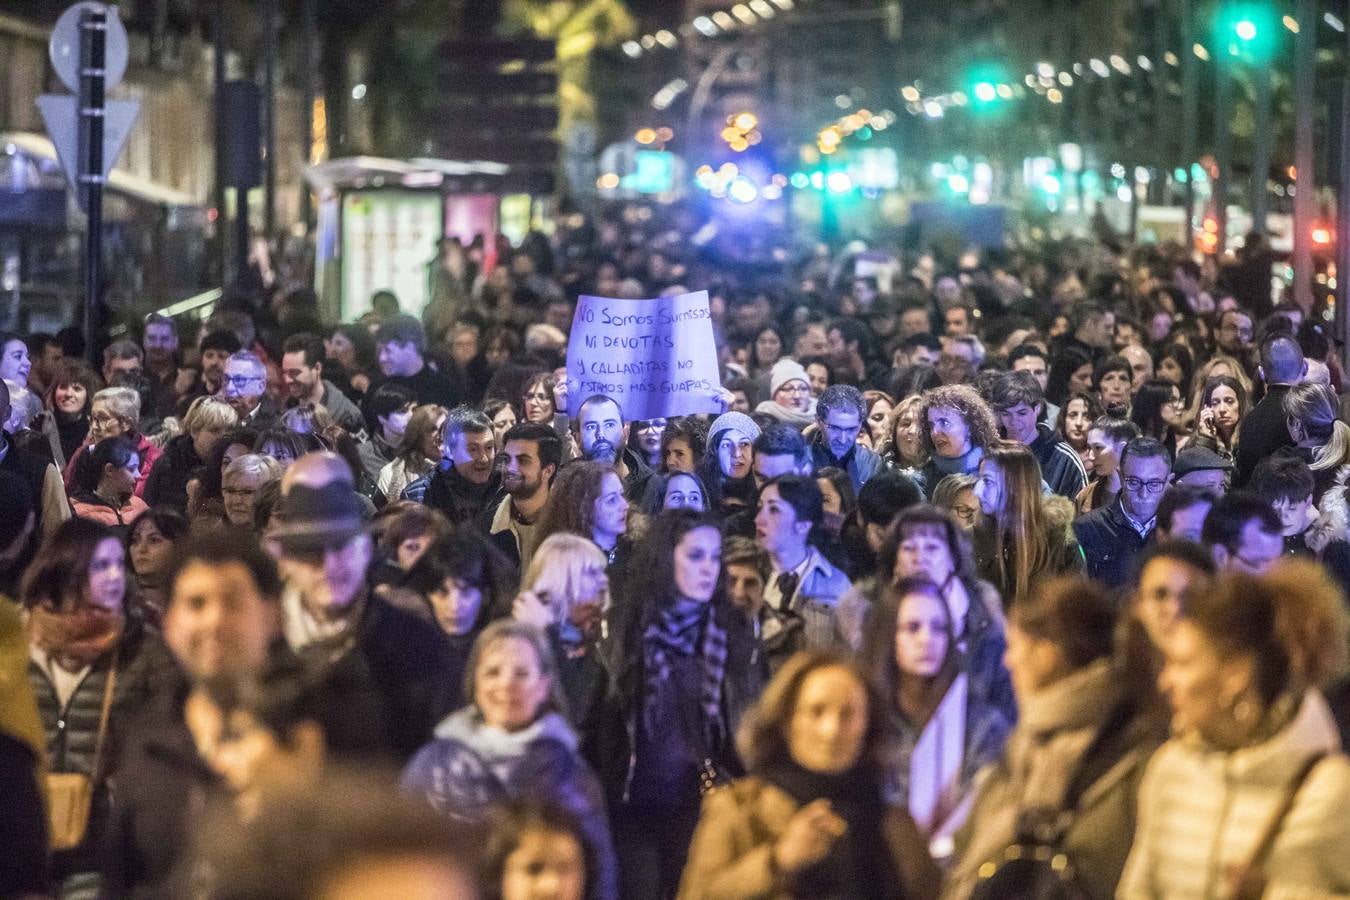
point(245, 384)
point(1113, 536)
point(839, 416)
point(1243, 532)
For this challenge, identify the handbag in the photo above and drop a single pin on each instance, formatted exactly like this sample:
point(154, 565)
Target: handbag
point(70, 795)
point(1250, 881)
point(1036, 866)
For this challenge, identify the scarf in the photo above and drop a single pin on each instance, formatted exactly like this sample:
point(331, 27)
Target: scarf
point(676, 630)
point(787, 416)
point(860, 863)
point(75, 640)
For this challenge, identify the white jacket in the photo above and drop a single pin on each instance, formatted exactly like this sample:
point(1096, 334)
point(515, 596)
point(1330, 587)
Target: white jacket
point(1202, 811)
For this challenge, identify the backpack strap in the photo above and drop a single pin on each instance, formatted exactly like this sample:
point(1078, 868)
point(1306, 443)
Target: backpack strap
point(1250, 879)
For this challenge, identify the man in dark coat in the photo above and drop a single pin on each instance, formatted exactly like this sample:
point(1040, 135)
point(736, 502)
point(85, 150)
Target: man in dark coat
point(1017, 401)
point(466, 482)
point(1263, 429)
point(1112, 537)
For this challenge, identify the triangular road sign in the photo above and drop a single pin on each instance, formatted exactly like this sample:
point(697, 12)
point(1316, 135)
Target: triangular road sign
point(60, 112)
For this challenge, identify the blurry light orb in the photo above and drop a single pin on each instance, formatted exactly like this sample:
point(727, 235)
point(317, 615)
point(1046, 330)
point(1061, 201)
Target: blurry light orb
point(742, 190)
point(839, 182)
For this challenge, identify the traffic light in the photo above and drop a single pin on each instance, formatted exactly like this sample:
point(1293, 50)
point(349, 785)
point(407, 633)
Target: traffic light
point(1248, 30)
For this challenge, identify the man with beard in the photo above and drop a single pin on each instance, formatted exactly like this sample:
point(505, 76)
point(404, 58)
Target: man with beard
point(302, 372)
point(531, 454)
point(602, 435)
point(160, 344)
point(215, 350)
point(465, 483)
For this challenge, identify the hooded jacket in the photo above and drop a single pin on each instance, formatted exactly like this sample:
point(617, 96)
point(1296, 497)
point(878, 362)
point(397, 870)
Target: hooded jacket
point(470, 766)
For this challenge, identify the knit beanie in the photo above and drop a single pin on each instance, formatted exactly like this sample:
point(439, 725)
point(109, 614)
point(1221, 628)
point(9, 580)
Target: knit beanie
point(735, 421)
point(785, 370)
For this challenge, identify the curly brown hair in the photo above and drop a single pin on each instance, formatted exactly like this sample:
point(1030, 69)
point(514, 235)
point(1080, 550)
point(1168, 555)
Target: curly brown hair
point(966, 400)
point(571, 500)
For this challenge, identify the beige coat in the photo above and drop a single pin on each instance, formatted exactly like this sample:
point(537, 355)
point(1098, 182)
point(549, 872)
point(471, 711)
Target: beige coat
point(1202, 811)
point(1057, 726)
point(729, 855)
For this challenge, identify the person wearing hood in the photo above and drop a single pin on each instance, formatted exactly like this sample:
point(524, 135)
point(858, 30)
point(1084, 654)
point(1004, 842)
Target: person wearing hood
point(790, 400)
point(1248, 798)
point(1069, 772)
point(840, 413)
point(512, 742)
point(957, 426)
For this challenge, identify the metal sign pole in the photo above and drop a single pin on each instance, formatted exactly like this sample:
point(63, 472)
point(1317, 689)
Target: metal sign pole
point(93, 52)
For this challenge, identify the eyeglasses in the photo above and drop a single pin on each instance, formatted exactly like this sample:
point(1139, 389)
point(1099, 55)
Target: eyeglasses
point(242, 380)
point(1136, 485)
point(795, 389)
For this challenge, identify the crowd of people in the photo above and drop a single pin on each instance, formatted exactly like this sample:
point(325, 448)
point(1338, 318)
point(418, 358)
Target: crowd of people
point(1017, 573)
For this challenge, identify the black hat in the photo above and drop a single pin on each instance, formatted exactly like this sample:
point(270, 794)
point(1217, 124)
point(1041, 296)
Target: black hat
point(315, 518)
point(1199, 459)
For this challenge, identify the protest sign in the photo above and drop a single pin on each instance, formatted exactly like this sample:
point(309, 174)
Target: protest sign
point(655, 358)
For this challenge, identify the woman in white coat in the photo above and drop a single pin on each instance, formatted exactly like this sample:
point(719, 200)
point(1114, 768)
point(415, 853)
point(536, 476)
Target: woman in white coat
point(1249, 797)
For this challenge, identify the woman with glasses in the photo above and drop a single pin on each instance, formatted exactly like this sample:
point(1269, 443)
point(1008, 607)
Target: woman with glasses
point(956, 494)
point(116, 412)
point(240, 485)
point(790, 398)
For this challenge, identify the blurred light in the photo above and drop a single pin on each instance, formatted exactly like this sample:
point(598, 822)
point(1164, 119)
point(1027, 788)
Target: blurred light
point(1291, 23)
point(1245, 29)
point(1145, 63)
point(985, 92)
point(1050, 184)
point(839, 182)
point(664, 134)
point(1321, 235)
point(783, 4)
point(648, 41)
point(703, 170)
point(843, 101)
point(771, 192)
point(830, 137)
point(1005, 91)
point(1120, 65)
point(729, 170)
point(739, 145)
point(704, 25)
point(764, 9)
point(1171, 58)
point(742, 12)
point(1054, 95)
point(878, 123)
point(632, 48)
point(723, 20)
point(932, 109)
point(1200, 51)
point(1142, 174)
point(745, 121)
point(1030, 80)
point(1065, 79)
point(358, 91)
point(959, 184)
point(1045, 70)
point(779, 180)
point(666, 39)
point(742, 190)
point(799, 180)
point(1117, 170)
point(608, 181)
point(1335, 23)
point(818, 180)
point(1099, 68)
point(1124, 194)
point(959, 98)
point(1078, 69)
point(645, 136)
point(910, 93)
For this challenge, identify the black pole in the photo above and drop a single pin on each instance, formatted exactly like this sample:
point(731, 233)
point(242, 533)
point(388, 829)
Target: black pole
point(93, 53)
point(222, 213)
point(1223, 142)
point(269, 117)
point(242, 235)
point(1261, 149)
point(308, 34)
point(1343, 218)
point(1190, 108)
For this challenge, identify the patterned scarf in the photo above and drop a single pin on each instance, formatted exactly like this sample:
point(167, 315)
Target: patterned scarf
point(676, 631)
point(75, 639)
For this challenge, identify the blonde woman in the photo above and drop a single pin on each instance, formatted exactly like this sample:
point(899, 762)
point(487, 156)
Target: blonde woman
point(565, 594)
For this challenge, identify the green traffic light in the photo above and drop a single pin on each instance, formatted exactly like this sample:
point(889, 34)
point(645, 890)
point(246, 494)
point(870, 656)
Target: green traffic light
point(985, 92)
point(1246, 30)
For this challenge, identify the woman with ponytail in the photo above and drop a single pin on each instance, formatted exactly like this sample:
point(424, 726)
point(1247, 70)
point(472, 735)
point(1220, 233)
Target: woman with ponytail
point(1248, 798)
point(1321, 439)
point(1016, 541)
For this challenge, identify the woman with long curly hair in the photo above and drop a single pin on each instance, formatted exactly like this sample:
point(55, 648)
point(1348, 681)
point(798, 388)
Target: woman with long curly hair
point(956, 426)
point(587, 499)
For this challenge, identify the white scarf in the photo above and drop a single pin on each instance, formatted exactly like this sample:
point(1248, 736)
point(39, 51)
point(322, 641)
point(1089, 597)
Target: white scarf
point(935, 765)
